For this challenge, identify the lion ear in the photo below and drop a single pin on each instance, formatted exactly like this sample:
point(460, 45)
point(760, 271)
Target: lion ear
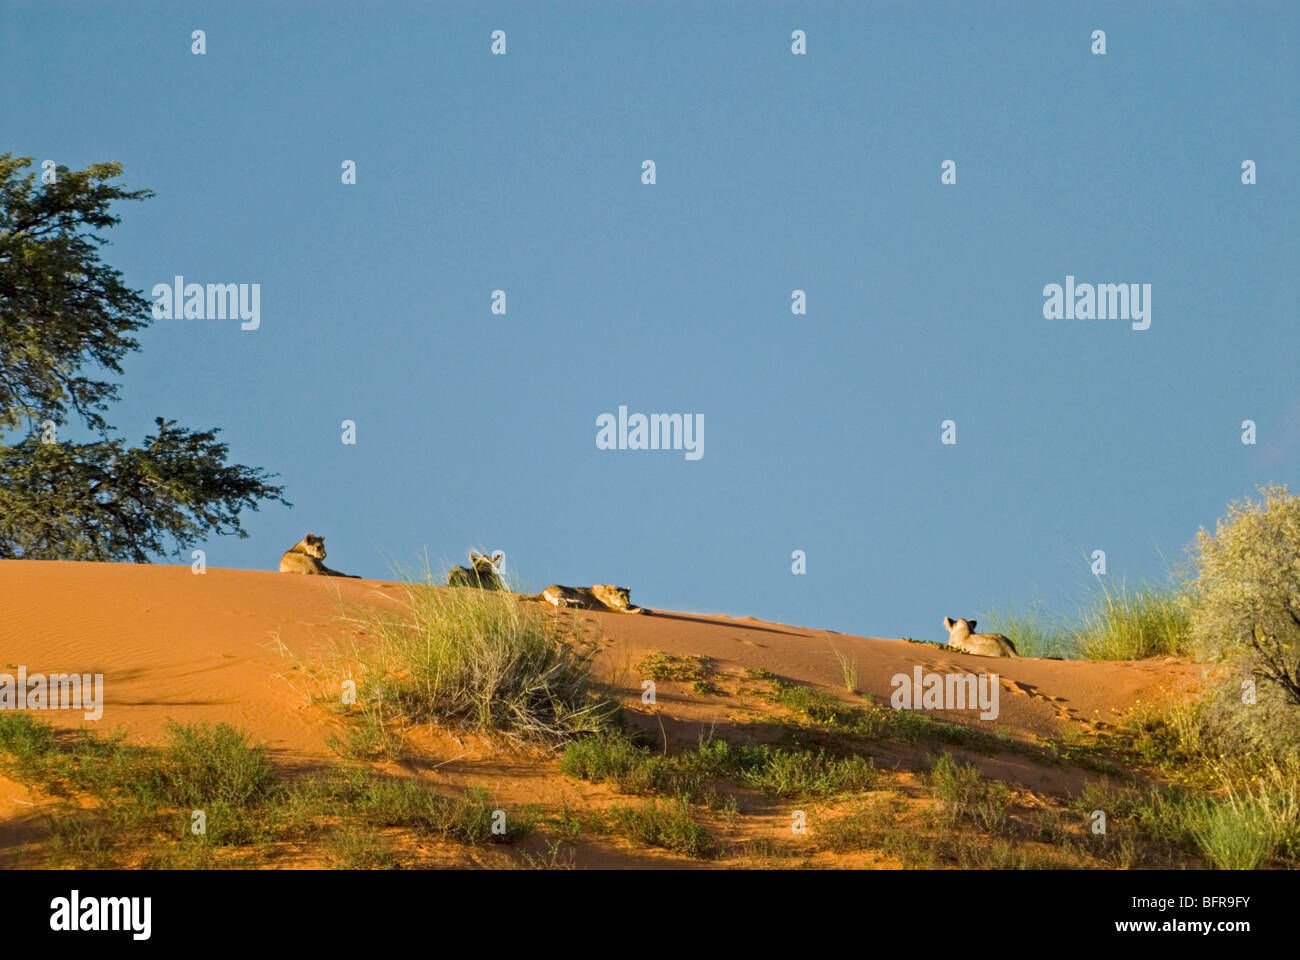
point(971, 624)
point(947, 623)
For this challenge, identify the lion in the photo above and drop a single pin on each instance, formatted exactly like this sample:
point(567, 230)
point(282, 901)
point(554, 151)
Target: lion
point(482, 572)
point(600, 596)
point(306, 555)
point(962, 636)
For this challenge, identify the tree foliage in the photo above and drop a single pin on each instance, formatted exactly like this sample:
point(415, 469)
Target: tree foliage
point(66, 322)
point(1247, 592)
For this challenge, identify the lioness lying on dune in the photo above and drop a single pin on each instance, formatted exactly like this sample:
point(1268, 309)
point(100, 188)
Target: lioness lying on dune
point(962, 636)
point(600, 596)
point(306, 555)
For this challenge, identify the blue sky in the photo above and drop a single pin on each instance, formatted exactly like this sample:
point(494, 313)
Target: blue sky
point(775, 172)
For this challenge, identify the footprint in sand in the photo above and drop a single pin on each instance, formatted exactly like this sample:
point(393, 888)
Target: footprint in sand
point(1029, 690)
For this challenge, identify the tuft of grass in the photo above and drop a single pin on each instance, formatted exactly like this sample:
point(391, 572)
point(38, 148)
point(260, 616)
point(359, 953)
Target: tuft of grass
point(819, 706)
point(689, 776)
point(77, 840)
point(1151, 621)
point(1034, 631)
point(1115, 623)
point(670, 826)
point(26, 741)
point(353, 847)
point(1233, 836)
point(848, 669)
point(785, 773)
point(964, 794)
point(214, 765)
point(398, 802)
point(469, 659)
point(872, 722)
point(557, 857)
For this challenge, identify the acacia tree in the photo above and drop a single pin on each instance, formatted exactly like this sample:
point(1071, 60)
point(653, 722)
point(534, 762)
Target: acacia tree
point(1248, 588)
point(66, 318)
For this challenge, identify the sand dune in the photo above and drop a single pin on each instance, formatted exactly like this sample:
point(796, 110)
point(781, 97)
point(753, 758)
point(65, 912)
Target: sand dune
point(173, 645)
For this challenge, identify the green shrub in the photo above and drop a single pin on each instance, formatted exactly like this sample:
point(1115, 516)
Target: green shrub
point(670, 826)
point(476, 659)
point(1233, 836)
point(204, 765)
point(1247, 598)
point(963, 793)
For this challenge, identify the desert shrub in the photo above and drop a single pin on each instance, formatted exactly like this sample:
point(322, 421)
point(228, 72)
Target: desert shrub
point(1233, 836)
point(204, 765)
point(964, 794)
point(688, 775)
point(1247, 591)
point(476, 659)
point(27, 741)
point(669, 825)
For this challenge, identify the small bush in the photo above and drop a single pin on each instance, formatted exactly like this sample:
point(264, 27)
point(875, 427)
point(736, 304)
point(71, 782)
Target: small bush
point(669, 826)
point(1233, 836)
point(204, 765)
point(28, 741)
point(963, 793)
point(1247, 602)
point(475, 659)
point(687, 776)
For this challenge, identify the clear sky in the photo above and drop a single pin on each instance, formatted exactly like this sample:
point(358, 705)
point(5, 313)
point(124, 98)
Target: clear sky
point(775, 172)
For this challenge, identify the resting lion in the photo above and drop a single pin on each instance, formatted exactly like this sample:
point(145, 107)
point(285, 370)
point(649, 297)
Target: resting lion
point(306, 555)
point(962, 636)
point(600, 596)
point(482, 572)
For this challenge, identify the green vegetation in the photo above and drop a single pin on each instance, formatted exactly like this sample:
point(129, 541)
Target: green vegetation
point(697, 671)
point(468, 659)
point(692, 776)
point(848, 669)
point(670, 825)
point(1124, 624)
point(1034, 631)
point(1248, 590)
point(820, 710)
point(964, 794)
point(66, 319)
point(1116, 624)
point(873, 826)
point(148, 799)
